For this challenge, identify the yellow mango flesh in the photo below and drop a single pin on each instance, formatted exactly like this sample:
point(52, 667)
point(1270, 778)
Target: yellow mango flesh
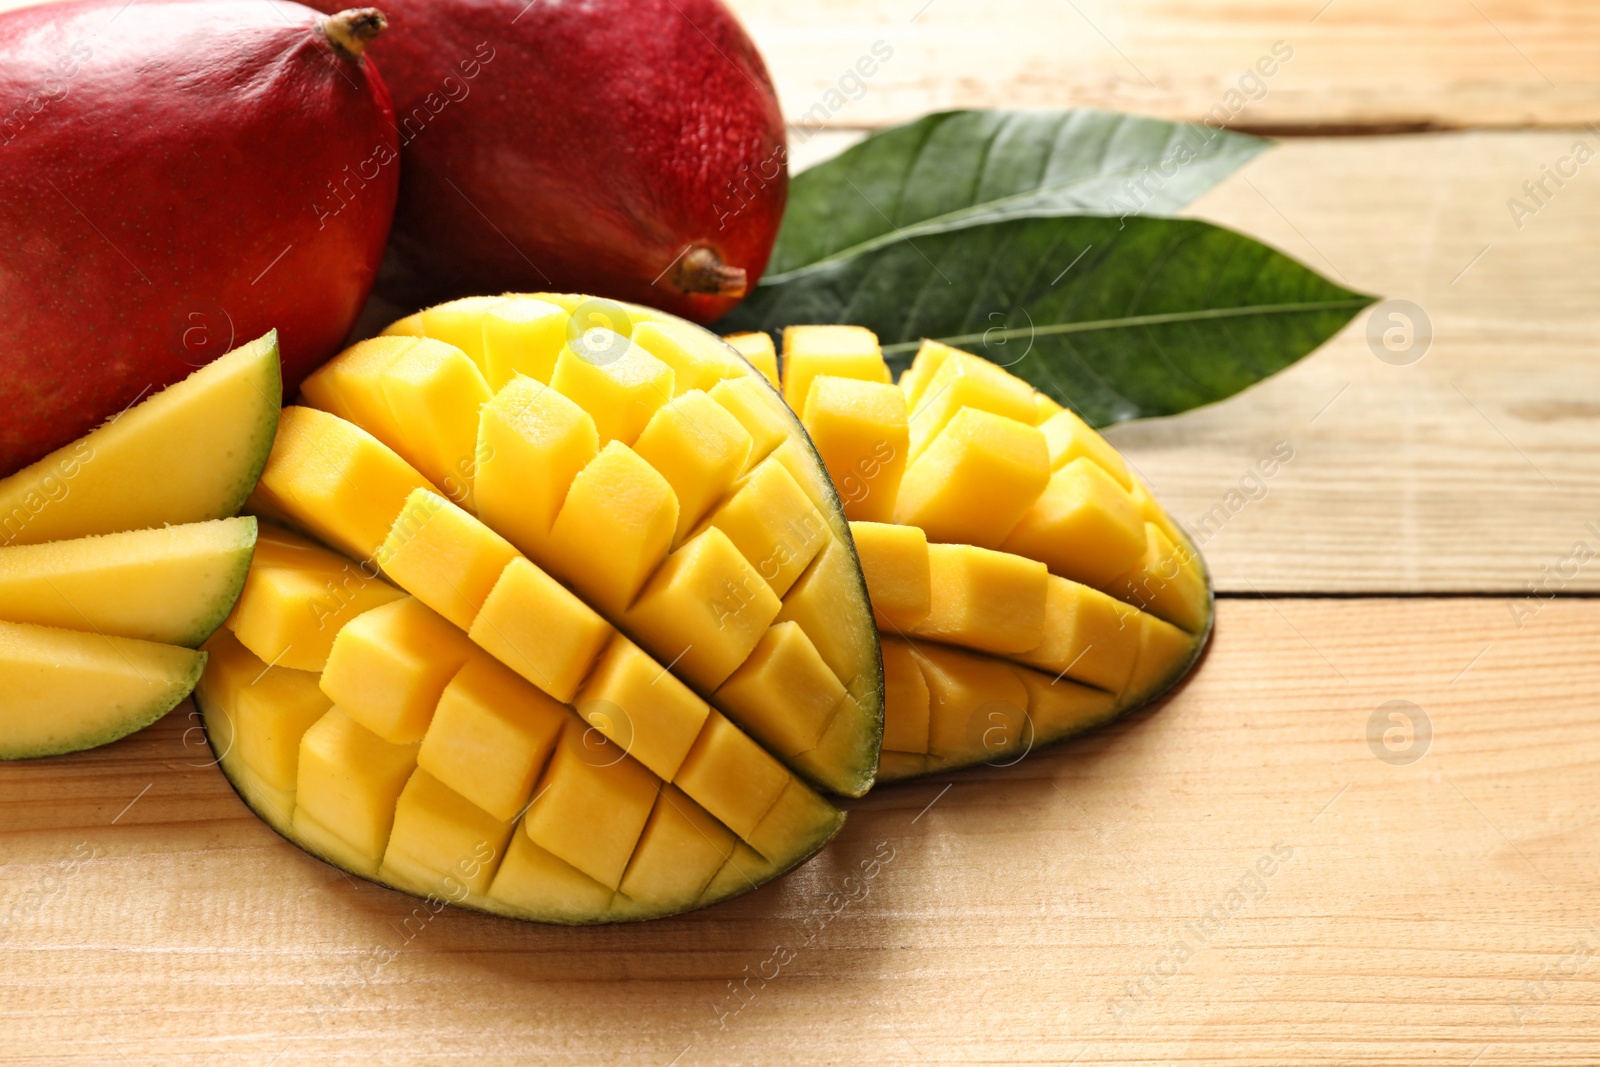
point(772, 521)
point(699, 448)
point(522, 335)
point(861, 431)
point(842, 351)
point(614, 529)
point(536, 627)
point(1055, 593)
point(67, 691)
point(532, 442)
point(982, 599)
point(490, 735)
point(335, 481)
point(389, 667)
point(978, 477)
point(784, 661)
point(760, 351)
point(1084, 526)
point(569, 649)
point(174, 585)
point(298, 597)
point(704, 609)
point(444, 557)
point(615, 381)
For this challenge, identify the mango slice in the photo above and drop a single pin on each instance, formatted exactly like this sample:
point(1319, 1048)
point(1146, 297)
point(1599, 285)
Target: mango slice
point(600, 635)
point(1027, 585)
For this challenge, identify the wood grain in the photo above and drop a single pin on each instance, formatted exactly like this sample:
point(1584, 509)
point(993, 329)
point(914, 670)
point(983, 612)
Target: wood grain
point(1007, 920)
point(1356, 65)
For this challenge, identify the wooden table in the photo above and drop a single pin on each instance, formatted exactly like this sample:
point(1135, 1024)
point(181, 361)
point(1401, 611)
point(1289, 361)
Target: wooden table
point(1238, 876)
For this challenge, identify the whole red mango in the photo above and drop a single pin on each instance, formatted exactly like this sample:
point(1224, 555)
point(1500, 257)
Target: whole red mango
point(176, 177)
point(630, 148)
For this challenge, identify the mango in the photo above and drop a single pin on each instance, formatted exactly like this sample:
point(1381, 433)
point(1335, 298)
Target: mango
point(605, 684)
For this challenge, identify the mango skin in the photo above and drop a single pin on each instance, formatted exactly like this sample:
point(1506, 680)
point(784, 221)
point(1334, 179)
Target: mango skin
point(154, 170)
point(579, 147)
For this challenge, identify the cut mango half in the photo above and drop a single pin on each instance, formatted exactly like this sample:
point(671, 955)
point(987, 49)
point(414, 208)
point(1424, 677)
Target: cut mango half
point(1026, 583)
point(119, 558)
point(558, 616)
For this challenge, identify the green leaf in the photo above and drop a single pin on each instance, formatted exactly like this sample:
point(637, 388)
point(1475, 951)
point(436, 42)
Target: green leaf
point(1118, 318)
point(959, 168)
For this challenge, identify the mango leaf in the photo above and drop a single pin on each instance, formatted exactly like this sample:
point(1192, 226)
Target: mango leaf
point(1118, 318)
point(959, 168)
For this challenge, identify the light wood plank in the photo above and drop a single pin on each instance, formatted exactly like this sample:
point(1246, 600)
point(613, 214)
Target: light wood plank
point(1356, 63)
point(1005, 923)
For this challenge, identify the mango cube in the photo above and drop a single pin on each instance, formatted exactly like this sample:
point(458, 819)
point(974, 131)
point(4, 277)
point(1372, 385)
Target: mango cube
point(822, 603)
point(591, 805)
point(1070, 438)
point(753, 404)
point(532, 442)
point(681, 850)
point(929, 358)
point(905, 699)
point(965, 381)
point(444, 557)
point(532, 879)
point(270, 709)
point(976, 480)
point(697, 360)
point(798, 819)
point(1045, 408)
point(491, 735)
point(704, 609)
point(860, 431)
point(1166, 582)
point(337, 481)
point(389, 667)
point(783, 694)
point(731, 776)
point(614, 529)
point(522, 335)
point(349, 779)
point(458, 322)
point(1088, 636)
point(1059, 708)
point(1084, 527)
point(699, 448)
point(614, 380)
point(534, 625)
point(435, 392)
point(974, 702)
point(1163, 651)
point(759, 350)
point(774, 524)
point(642, 707)
point(441, 832)
point(982, 599)
point(351, 384)
point(289, 615)
point(894, 560)
point(844, 351)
